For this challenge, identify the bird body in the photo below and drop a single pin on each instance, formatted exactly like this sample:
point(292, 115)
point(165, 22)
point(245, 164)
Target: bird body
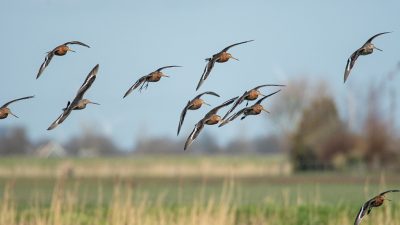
point(220, 57)
point(366, 49)
point(210, 118)
point(252, 110)
point(194, 104)
point(78, 103)
point(374, 202)
point(60, 51)
point(249, 96)
point(4, 111)
point(151, 77)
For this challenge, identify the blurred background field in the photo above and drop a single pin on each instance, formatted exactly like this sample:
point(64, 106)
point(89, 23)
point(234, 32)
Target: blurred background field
point(168, 190)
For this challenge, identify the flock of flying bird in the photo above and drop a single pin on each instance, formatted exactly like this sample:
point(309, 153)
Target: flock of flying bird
point(211, 117)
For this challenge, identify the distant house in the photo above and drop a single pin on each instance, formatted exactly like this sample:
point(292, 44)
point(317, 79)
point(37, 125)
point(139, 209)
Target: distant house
point(51, 150)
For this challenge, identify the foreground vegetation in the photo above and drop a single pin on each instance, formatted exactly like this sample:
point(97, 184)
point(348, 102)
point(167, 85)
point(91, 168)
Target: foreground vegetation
point(241, 196)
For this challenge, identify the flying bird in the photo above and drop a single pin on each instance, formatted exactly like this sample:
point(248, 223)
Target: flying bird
point(59, 50)
point(151, 77)
point(249, 96)
point(374, 202)
point(220, 57)
point(4, 111)
point(78, 103)
point(196, 103)
point(252, 110)
point(366, 49)
point(210, 118)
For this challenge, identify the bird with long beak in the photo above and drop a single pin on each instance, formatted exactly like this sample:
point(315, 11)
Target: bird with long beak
point(4, 111)
point(374, 202)
point(60, 51)
point(252, 110)
point(196, 103)
point(366, 49)
point(249, 96)
point(78, 103)
point(151, 77)
point(220, 57)
point(210, 118)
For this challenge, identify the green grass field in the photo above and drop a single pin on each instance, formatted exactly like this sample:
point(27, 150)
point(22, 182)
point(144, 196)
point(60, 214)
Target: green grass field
point(186, 190)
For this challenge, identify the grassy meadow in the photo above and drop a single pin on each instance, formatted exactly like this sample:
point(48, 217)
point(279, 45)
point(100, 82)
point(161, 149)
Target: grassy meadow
point(186, 190)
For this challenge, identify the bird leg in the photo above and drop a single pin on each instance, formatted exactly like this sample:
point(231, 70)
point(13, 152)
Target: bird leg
point(247, 103)
point(243, 117)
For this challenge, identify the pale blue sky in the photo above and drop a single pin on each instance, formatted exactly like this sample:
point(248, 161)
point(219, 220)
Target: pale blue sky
point(130, 39)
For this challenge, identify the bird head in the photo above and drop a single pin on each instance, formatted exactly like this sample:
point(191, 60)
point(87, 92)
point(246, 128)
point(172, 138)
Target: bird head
point(230, 56)
point(87, 102)
point(259, 108)
point(202, 102)
point(7, 110)
point(373, 46)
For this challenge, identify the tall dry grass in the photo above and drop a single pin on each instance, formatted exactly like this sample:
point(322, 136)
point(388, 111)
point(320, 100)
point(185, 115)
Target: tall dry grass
point(133, 207)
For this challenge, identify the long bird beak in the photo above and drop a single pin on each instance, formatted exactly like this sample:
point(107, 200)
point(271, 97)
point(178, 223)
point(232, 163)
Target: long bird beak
point(233, 58)
point(205, 103)
point(261, 94)
point(13, 114)
point(265, 110)
point(222, 120)
point(70, 50)
point(386, 199)
point(377, 48)
point(164, 75)
point(94, 103)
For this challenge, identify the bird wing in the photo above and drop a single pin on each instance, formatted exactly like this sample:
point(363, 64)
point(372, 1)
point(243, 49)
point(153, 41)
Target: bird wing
point(230, 46)
point(88, 82)
point(262, 99)
point(369, 40)
point(234, 116)
point(383, 193)
point(165, 68)
point(266, 85)
point(207, 70)
point(196, 131)
point(350, 64)
point(183, 114)
point(5, 105)
point(208, 93)
point(238, 102)
point(46, 62)
point(215, 110)
point(137, 84)
point(363, 211)
point(76, 43)
point(62, 117)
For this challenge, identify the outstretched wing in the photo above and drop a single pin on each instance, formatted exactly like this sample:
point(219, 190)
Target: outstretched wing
point(363, 211)
point(262, 99)
point(207, 71)
point(369, 40)
point(88, 83)
point(137, 84)
point(76, 43)
point(383, 193)
point(5, 105)
point(196, 131)
point(266, 85)
point(234, 116)
point(206, 93)
point(350, 64)
point(46, 62)
point(215, 110)
point(238, 102)
point(165, 68)
point(183, 114)
point(230, 46)
point(62, 117)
